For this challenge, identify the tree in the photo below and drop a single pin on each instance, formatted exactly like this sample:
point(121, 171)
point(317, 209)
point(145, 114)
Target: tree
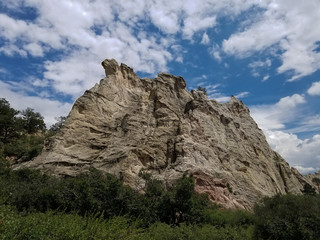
point(32, 121)
point(187, 204)
point(282, 217)
point(57, 126)
point(316, 181)
point(177, 204)
point(7, 120)
point(202, 89)
point(308, 189)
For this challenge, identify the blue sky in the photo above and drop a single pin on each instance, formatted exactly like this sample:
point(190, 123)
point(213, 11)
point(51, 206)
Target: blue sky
point(265, 52)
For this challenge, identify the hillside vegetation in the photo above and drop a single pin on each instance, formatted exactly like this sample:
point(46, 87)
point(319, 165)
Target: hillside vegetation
point(96, 205)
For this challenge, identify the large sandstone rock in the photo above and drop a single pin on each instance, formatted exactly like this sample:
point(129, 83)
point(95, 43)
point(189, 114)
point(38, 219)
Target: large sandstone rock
point(125, 124)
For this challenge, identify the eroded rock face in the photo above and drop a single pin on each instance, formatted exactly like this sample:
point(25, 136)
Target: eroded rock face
point(126, 124)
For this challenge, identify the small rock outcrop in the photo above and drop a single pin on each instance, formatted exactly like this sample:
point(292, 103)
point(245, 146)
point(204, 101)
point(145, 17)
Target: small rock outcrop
point(125, 124)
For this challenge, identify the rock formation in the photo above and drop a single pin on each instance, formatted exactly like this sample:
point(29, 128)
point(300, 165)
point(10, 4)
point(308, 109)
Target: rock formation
point(125, 125)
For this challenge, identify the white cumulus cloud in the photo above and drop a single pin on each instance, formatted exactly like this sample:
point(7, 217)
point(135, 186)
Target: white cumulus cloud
point(20, 100)
point(301, 154)
point(205, 39)
point(292, 26)
point(314, 90)
point(271, 117)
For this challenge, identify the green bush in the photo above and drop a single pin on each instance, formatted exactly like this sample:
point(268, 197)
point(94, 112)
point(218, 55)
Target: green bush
point(175, 205)
point(54, 226)
point(60, 226)
point(24, 148)
point(160, 231)
point(228, 217)
point(288, 217)
point(21, 136)
point(96, 192)
point(29, 190)
point(94, 201)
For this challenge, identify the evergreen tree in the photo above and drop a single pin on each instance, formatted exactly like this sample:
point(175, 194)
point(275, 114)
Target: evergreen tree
point(308, 189)
point(202, 89)
point(7, 120)
point(32, 121)
point(57, 126)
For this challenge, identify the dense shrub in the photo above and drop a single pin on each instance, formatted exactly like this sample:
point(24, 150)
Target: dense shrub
point(174, 205)
point(24, 148)
point(96, 192)
point(288, 217)
point(228, 217)
point(89, 206)
point(21, 133)
point(160, 231)
point(95, 205)
point(29, 190)
point(54, 225)
point(60, 226)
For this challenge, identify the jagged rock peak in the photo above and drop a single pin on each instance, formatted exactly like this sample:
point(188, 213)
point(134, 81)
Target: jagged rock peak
point(125, 125)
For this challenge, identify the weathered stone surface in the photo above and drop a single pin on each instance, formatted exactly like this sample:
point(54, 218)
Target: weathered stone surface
point(125, 124)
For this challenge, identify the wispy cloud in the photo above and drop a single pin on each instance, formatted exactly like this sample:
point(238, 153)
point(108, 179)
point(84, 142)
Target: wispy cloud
point(257, 66)
point(3, 71)
point(214, 92)
point(309, 124)
point(216, 52)
point(260, 64)
point(200, 79)
point(265, 78)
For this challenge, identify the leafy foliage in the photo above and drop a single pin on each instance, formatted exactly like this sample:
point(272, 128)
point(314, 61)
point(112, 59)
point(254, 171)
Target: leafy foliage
point(95, 205)
point(32, 121)
point(288, 217)
point(228, 217)
point(24, 148)
point(202, 89)
point(175, 205)
point(21, 134)
point(316, 180)
point(57, 126)
point(54, 225)
point(200, 232)
point(308, 189)
point(7, 120)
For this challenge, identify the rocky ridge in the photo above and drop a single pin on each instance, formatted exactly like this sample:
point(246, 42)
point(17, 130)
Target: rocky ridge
point(125, 125)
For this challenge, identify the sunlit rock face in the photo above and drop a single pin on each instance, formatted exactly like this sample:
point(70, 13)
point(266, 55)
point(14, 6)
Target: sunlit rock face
point(125, 124)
